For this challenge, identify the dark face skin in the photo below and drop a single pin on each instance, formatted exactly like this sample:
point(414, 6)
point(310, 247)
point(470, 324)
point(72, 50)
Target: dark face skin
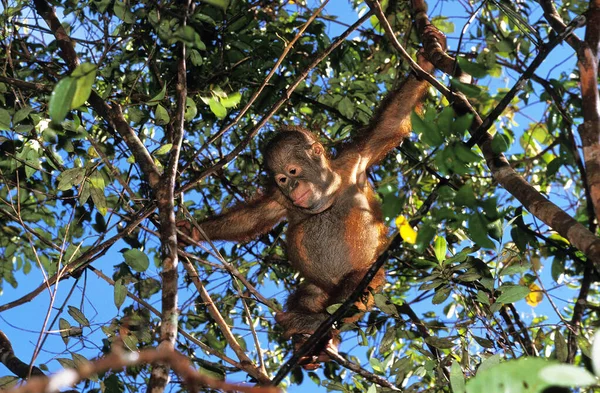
point(302, 172)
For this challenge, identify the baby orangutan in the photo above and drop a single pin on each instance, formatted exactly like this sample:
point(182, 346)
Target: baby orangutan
point(335, 225)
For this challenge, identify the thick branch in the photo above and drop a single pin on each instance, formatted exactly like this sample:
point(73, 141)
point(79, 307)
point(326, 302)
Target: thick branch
point(587, 57)
point(557, 23)
point(13, 363)
point(165, 199)
point(120, 359)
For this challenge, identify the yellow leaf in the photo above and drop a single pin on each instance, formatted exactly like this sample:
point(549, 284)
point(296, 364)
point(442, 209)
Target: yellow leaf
point(535, 297)
point(408, 234)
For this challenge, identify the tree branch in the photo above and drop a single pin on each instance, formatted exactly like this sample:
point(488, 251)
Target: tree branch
point(13, 363)
point(511, 181)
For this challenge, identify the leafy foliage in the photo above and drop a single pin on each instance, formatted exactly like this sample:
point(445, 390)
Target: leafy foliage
point(73, 199)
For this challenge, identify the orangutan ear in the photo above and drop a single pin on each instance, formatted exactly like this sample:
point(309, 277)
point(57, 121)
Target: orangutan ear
point(317, 149)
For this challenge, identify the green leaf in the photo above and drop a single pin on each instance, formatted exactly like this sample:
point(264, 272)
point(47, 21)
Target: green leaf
point(333, 308)
point(20, 115)
point(164, 149)
point(222, 4)
point(440, 248)
point(440, 342)
point(123, 12)
point(516, 267)
point(385, 304)
point(85, 75)
point(136, 259)
point(78, 316)
point(441, 295)
point(32, 159)
point(196, 58)
point(70, 178)
point(560, 344)
point(61, 99)
point(465, 196)
point(232, 100)
point(499, 143)
point(471, 91)
point(476, 70)
point(217, 108)
point(64, 326)
point(489, 363)
point(469, 277)
point(190, 109)
point(97, 181)
point(445, 120)
point(8, 382)
point(186, 34)
point(567, 375)
point(478, 230)
point(512, 294)
point(424, 236)
point(99, 200)
point(466, 155)
point(120, 293)
point(482, 297)
point(462, 124)
point(584, 345)
point(161, 115)
point(457, 378)
point(84, 193)
point(388, 339)
point(159, 97)
point(346, 107)
point(79, 360)
point(66, 363)
point(594, 352)
point(4, 120)
point(377, 366)
point(515, 376)
point(484, 342)
point(428, 132)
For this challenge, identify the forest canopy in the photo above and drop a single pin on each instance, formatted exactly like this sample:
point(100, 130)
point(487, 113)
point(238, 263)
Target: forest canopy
point(119, 119)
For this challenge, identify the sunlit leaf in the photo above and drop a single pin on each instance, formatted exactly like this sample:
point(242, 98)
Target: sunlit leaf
point(232, 100)
point(61, 99)
point(535, 297)
point(408, 234)
point(161, 115)
point(457, 378)
point(85, 75)
point(440, 247)
point(567, 375)
point(595, 353)
point(217, 108)
point(190, 109)
point(164, 149)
